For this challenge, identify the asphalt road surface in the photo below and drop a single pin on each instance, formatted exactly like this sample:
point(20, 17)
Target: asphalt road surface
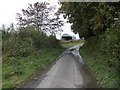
point(68, 71)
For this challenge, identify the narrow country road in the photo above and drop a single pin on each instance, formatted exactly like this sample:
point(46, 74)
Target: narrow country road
point(67, 72)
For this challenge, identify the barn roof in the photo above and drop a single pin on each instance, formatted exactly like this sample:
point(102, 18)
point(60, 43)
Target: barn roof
point(68, 35)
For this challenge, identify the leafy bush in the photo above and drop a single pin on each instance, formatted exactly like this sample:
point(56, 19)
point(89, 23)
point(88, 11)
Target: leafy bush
point(107, 44)
point(52, 42)
point(111, 47)
point(38, 38)
point(27, 41)
point(26, 54)
point(16, 47)
point(101, 53)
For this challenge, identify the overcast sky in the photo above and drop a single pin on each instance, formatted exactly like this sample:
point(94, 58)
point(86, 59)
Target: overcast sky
point(9, 8)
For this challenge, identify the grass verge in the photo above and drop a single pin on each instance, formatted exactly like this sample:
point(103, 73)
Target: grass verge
point(66, 44)
point(17, 70)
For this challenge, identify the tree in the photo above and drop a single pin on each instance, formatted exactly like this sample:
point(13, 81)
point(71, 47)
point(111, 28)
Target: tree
point(90, 18)
point(40, 15)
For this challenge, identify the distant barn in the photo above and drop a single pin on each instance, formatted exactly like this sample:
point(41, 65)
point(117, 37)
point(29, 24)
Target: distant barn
point(68, 37)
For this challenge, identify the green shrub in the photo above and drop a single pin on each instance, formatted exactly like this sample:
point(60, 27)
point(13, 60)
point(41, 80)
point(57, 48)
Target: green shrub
point(111, 47)
point(52, 42)
point(101, 53)
point(26, 54)
point(26, 42)
point(107, 44)
point(38, 38)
